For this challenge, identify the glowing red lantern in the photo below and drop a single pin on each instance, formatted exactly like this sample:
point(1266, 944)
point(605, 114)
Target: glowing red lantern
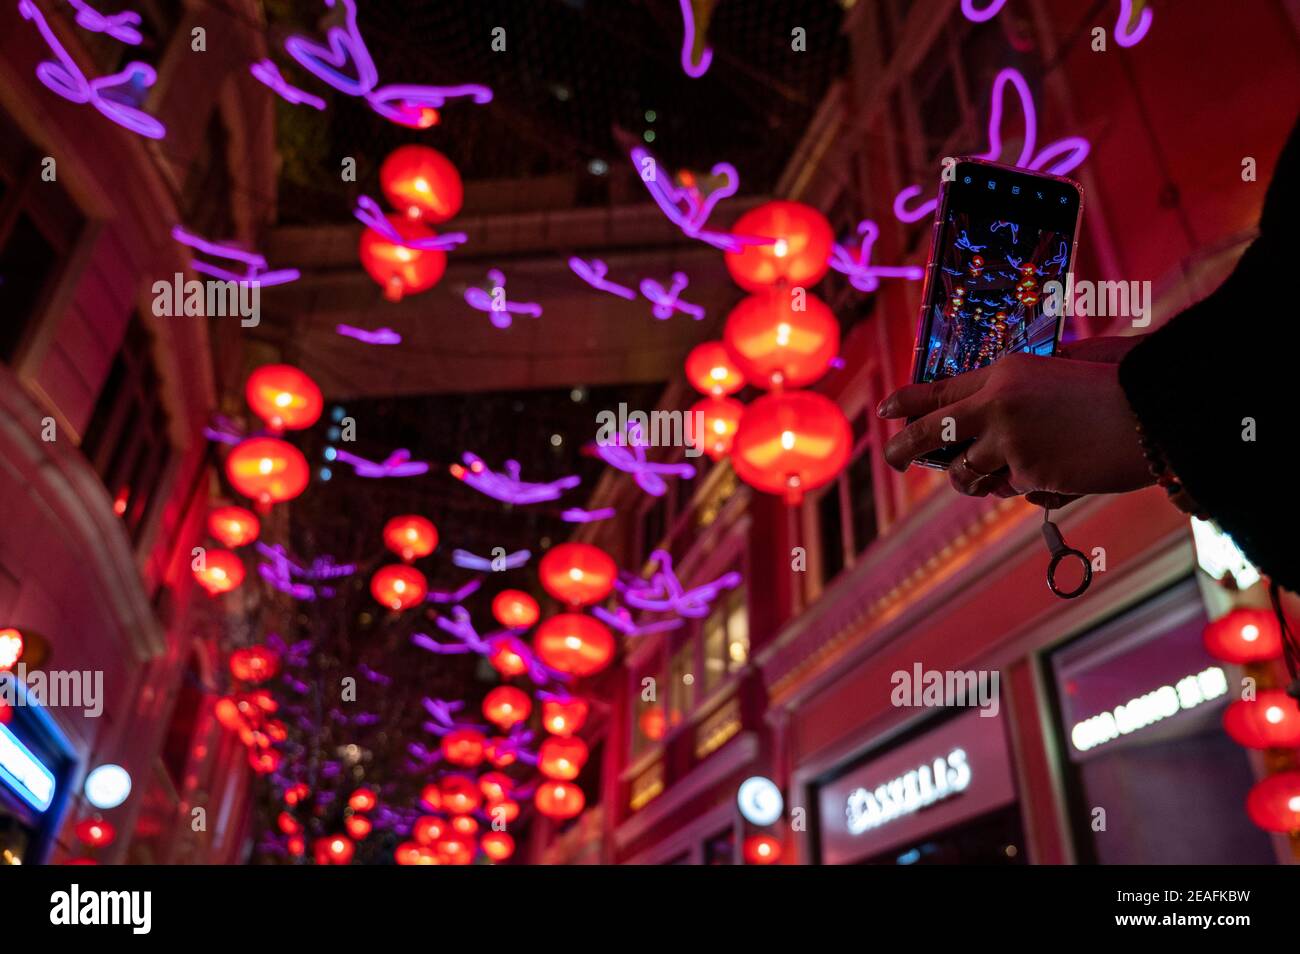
point(711, 370)
point(295, 794)
point(515, 609)
point(358, 826)
point(398, 587)
point(399, 269)
point(455, 849)
point(761, 850)
point(95, 833)
point(497, 845)
point(297, 846)
point(500, 753)
point(792, 442)
point(11, 648)
point(653, 723)
point(267, 470)
point(463, 747)
point(284, 397)
point(798, 254)
point(227, 712)
point(254, 664)
point(409, 853)
point(506, 654)
point(1244, 636)
point(464, 825)
point(422, 182)
point(719, 419)
point(574, 643)
point(562, 758)
point(503, 812)
point(431, 796)
point(428, 829)
point(1274, 803)
point(495, 785)
point(564, 716)
point(460, 795)
point(1270, 721)
point(334, 850)
point(288, 824)
point(6, 713)
point(577, 574)
point(505, 706)
point(776, 345)
point(234, 526)
point(559, 800)
point(264, 762)
point(220, 572)
point(363, 800)
point(410, 537)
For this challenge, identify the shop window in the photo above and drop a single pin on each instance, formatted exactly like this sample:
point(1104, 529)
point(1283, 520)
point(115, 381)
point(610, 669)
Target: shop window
point(39, 224)
point(846, 512)
point(649, 722)
point(725, 638)
point(126, 441)
point(180, 732)
point(681, 683)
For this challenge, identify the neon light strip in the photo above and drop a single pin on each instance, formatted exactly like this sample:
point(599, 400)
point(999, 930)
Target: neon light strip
point(578, 515)
point(472, 561)
point(690, 68)
point(120, 26)
point(500, 309)
point(1123, 36)
point(266, 72)
point(627, 454)
point(380, 336)
point(666, 301)
point(369, 214)
point(397, 464)
point(697, 208)
point(594, 272)
point(861, 273)
point(506, 485)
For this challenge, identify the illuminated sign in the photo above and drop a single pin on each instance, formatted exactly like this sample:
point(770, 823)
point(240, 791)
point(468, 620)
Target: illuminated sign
point(760, 800)
point(1149, 708)
point(907, 793)
point(24, 772)
point(1217, 554)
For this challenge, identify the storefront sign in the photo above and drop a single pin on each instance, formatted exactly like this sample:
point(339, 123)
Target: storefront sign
point(1149, 708)
point(24, 773)
point(908, 793)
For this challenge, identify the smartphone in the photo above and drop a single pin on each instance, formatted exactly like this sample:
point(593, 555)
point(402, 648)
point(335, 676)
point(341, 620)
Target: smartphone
point(1000, 234)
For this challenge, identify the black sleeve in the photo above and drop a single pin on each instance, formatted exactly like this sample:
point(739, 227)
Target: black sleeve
point(1218, 389)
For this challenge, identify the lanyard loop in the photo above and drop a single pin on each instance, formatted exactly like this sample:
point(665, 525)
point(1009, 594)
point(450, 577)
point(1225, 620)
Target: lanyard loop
point(1060, 551)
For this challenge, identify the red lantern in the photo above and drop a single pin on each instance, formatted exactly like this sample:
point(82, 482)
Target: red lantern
point(363, 800)
point(288, 824)
point(1270, 721)
point(464, 825)
point(711, 370)
point(410, 537)
point(503, 812)
point(294, 795)
point(1244, 636)
point(422, 182)
point(1274, 803)
point(6, 713)
point(761, 850)
point(11, 648)
point(455, 849)
point(500, 753)
point(409, 853)
point(577, 574)
point(399, 269)
point(284, 397)
point(267, 470)
point(515, 609)
point(431, 796)
point(227, 712)
point(798, 254)
point(562, 758)
point(564, 716)
point(358, 826)
point(233, 526)
point(221, 572)
point(559, 800)
point(574, 643)
point(497, 845)
point(792, 442)
point(653, 723)
point(428, 829)
point(264, 762)
point(718, 419)
point(463, 747)
point(398, 587)
point(507, 656)
point(776, 345)
point(460, 794)
point(334, 850)
point(94, 833)
point(495, 785)
point(254, 664)
point(297, 846)
point(505, 706)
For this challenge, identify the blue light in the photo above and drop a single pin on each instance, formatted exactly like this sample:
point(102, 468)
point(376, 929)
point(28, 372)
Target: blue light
point(24, 772)
point(333, 433)
point(331, 453)
point(336, 413)
point(909, 857)
point(326, 473)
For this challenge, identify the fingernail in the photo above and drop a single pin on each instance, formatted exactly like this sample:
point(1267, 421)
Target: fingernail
point(882, 408)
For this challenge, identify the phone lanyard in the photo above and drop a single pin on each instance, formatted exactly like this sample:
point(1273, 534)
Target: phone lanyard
point(1060, 550)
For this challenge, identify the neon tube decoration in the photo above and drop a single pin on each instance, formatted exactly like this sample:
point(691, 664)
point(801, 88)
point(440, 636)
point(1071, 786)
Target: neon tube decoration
point(281, 569)
point(1126, 32)
point(494, 302)
point(1057, 158)
point(594, 272)
point(472, 561)
point(578, 515)
point(977, 15)
point(667, 300)
point(396, 464)
point(455, 596)
point(443, 715)
point(621, 620)
point(267, 73)
point(857, 267)
point(627, 453)
point(468, 640)
point(691, 68)
point(380, 336)
point(66, 79)
point(506, 485)
point(345, 64)
point(224, 430)
point(254, 264)
point(686, 207)
point(369, 214)
point(120, 26)
point(664, 592)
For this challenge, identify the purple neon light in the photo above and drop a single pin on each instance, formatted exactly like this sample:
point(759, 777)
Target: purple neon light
point(397, 464)
point(369, 214)
point(66, 79)
point(472, 561)
point(1057, 157)
point(664, 592)
point(468, 640)
point(627, 453)
point(499, 311)
point(687, 208)
point(380, 336)
point(594, 272)
point(1125, 36)
point(120, 26)
point(506, 485)
point(455, 596)
point(621, 620)
point(254, 264)
point(692, 69)
point(267, 73)
point(979, 15)
point(667, 300)
point(857, 266)
point(578, 515)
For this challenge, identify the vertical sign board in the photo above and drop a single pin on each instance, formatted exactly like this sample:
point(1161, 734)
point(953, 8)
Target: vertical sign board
point(23, 773)
point(959, 770)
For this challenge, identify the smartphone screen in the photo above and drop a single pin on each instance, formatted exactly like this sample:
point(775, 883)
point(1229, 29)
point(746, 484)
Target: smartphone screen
point(1000, 235)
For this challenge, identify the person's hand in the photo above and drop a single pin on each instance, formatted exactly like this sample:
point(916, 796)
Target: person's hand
point(1109, 349)
point(1058, 426)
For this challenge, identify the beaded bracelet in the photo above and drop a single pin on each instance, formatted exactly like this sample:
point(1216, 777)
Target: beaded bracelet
point(1165, 477)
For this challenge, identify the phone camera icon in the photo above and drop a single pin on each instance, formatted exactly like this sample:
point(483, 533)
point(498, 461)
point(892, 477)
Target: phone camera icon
point(1015, 190)
point(1064, 199)
point(966, 180)
point(992, 184)
point(1039, 194)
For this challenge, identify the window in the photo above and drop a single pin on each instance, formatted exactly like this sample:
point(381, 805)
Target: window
point(38, 226)
point(681, 683)
point(721, 848)
point(847, 521)
point(126, 441)
point(725, 638)
point(649, 725)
